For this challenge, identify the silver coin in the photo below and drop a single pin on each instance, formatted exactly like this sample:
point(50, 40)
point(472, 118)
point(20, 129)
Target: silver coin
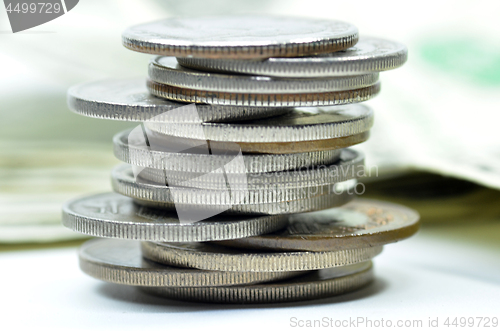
point(166, 70)
point(361, 223)
point(213, 257)
point(368, 55)
point(308, 99)
point(350, 166)
point(121, 262)
point(301, 124)
point(129, 100)
point(139, 155)
point(315, 285)
point(124, 182)
point(114, 216)
point(276, 208)
point(240, 36)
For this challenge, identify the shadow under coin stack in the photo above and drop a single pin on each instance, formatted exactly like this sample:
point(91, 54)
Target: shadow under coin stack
point(239, 185)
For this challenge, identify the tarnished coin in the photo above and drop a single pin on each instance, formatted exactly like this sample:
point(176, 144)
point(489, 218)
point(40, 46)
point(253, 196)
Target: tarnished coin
point(349, 166)
point(207, 256)
point(301, 124)
point(129, 100)
point(361, 223)
point(309, 99)
point(315, 285)
point(240, 37)
point(196, 192)
point(121, 262)
point(114, 216)
point(165, 70)
point(137, 154)
point(368, 55)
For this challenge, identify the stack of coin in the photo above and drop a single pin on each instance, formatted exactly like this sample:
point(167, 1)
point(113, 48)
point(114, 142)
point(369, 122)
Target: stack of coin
point(238, 186)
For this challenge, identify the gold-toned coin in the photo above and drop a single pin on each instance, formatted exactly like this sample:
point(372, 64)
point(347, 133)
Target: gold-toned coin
point(359, 224)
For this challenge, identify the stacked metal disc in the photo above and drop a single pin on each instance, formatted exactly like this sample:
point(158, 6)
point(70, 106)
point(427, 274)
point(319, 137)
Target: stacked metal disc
point(238, 183)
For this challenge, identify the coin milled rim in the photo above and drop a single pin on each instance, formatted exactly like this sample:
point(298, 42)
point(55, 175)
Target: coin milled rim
point(129, 100)
point(370, 54)
point(276, 208)
point(161, 39)
point(203, 163)
point(308, 287)
point(108, 221)
point(121, 262)
point(124, 182)
point(166, 70)
point(264, 99)
point(379, 230)
point(349, 166)
point(298, 125)
point(207, 256)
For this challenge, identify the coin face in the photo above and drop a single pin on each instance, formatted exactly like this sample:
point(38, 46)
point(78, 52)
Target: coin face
point(314, 285)
point(361, 223)
point(206, 256)
point(166, 70)
point(368, 55)
point(163, 158)
point(240, 36)
point(115, 216)
point(309, 99)
point(129, 100)
point(121, 262)
point(300, 124)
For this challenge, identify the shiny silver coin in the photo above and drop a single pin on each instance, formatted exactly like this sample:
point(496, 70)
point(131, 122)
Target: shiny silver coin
point(349, 166)
point(121, 262)
point(207, 256)
point(315, 285)
point(301, 124)
point(114, 216)
point(308, 99)
point(161, 157)
point(129, 100)
point(165, 70)
point(240, 36)
point(124, 181)
point(277, 208)
point(368, 55)
point(361, 223)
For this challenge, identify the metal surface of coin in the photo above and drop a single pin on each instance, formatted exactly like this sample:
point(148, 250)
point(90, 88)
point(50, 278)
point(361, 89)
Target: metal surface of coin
point(301, 124)
point(350, 166)
point(315, 285)
point(129, 100)
point(368, 55)
point(276, 208)
point(361, 223)
point(212, 257)
point(192, 192)
point(137, 154)
point(114, 216)
point(310, 99)
point(240, 36)
point(165, 70)
point(121, 262)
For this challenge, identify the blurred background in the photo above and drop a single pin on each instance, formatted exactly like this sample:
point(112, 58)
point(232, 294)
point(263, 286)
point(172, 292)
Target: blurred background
point(435, 142)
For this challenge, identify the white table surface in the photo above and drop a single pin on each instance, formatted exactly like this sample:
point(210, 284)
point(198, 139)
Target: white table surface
point(436, 274)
